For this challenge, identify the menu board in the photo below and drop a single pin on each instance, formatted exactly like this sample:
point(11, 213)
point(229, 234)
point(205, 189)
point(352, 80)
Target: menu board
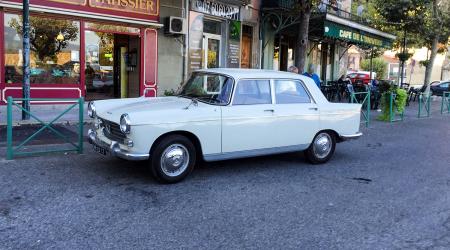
point(234, 49)
point(195, 41)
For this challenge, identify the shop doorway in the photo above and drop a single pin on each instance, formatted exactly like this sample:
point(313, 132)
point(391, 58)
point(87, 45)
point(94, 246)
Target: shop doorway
point(212, 50)
point(246, 51)
point(112, 65)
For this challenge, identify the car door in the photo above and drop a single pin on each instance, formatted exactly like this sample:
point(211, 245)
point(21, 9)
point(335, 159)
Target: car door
point(248, 123)
point(296, 113)
point(444, 87)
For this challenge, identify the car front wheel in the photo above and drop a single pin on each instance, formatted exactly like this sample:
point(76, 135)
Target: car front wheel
point(173, 159)
point(322, 148)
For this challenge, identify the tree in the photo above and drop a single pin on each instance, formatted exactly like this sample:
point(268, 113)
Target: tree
point(43, 34)
point(379, 66)
point(304, 9)
point(436, 31)
point(424, 22)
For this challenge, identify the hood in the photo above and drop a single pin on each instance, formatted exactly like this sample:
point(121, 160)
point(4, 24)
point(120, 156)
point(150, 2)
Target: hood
point(139, 107)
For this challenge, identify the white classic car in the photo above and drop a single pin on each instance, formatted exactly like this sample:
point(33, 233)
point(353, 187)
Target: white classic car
point(221, 114)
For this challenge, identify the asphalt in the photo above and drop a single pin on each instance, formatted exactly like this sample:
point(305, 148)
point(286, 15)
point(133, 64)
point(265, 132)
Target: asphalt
point(387, 190)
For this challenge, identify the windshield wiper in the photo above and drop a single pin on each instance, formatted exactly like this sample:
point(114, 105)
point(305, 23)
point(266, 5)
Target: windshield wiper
point(193, 101)
point(185, 96)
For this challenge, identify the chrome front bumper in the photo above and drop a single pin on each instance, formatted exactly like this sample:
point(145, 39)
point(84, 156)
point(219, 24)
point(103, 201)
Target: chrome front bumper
point(350, 137)
point(114, 148)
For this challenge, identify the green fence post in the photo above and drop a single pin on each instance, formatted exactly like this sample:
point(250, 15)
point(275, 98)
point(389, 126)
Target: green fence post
point(391, 101)
point(420, 106)
point(445, 103)
point(81, 124)
point(429, 105)
point(9, 142)
point(368, 108)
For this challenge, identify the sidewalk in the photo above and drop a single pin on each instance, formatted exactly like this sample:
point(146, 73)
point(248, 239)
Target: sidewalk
point(45, 113)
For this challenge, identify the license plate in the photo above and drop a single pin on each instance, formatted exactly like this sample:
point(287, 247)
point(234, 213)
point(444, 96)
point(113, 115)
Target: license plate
point(100, 150)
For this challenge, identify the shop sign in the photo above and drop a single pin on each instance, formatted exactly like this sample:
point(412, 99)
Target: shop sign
point(145, 7)
point(139, 9)
point(214, 8)
point(337, 31)
point(76, 2)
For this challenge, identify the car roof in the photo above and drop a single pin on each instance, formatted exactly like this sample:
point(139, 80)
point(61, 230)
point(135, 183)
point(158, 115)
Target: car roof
point(252, 73)
point(238, 74)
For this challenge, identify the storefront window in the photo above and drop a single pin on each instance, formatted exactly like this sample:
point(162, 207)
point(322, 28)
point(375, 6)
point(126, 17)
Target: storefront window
point(54, 50)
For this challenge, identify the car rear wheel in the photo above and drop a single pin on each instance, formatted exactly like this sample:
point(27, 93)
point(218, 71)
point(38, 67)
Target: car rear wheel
point(322, 148)
point(172, 159)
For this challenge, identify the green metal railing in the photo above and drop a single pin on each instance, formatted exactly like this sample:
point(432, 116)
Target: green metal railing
point(424, 106)
point(394, 116)
point(445, 104)
point(12, 151)
point(362, 98)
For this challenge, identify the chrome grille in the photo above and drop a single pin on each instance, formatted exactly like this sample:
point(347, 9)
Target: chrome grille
point(112, 131)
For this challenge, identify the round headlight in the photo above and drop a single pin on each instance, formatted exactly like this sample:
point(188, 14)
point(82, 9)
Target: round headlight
point(91, 109)
point(125, 123)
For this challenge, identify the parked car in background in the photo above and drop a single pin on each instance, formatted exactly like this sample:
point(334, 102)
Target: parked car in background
point(361, 77)
point(223, 114)
point(437, 88)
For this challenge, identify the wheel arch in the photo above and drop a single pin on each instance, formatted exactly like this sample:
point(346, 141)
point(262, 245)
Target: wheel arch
point(191, 136)
point(332, 132)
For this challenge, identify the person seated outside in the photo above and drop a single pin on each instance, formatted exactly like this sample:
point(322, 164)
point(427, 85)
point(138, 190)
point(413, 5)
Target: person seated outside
point(374, 94)
point(342, 86)
point(310, 73)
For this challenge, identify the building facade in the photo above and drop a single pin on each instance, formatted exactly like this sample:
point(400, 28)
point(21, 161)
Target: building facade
point(333, 30)
point(96, 49)
point(101, 49)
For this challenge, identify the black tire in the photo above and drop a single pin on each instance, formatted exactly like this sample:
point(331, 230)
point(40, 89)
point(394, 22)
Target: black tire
point(317, 155)
point(174, 145)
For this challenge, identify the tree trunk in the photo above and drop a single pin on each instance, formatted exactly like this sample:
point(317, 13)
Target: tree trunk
point(301, 46)
point(434, 48)
point(429, 67)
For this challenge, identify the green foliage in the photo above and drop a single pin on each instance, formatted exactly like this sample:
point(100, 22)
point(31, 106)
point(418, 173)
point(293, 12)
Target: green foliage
point(403, 56)
point(379, 66)
point(417, 17)
point(399, 102)
point(169, 92)
point(424, 63)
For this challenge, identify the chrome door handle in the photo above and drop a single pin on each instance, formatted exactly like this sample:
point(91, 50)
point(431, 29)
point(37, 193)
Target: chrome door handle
point(314, 109)
point(269, 110)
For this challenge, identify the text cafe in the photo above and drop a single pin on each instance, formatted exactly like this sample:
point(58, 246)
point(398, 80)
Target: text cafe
point(98, 49)
point(222, 35)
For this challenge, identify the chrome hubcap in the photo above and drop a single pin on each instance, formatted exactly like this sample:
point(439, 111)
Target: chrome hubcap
point(322, 145)
point(174, 160)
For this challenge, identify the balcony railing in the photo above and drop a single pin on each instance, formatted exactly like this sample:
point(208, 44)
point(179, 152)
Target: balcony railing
point(334, 10)
point(321, 8)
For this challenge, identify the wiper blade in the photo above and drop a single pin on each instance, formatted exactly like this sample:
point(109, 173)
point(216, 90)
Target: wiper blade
point(193, 101)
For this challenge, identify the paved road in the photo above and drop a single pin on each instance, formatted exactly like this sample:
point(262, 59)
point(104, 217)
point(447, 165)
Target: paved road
point(388, 190)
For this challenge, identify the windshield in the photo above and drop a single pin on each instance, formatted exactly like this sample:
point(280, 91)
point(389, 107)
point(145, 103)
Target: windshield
point(208, 88)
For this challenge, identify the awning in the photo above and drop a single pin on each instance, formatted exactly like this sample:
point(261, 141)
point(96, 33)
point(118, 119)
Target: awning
point(350, 31)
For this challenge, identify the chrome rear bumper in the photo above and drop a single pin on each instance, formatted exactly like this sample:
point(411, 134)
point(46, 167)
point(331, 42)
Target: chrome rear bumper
point(114, 148)
point(350, 137)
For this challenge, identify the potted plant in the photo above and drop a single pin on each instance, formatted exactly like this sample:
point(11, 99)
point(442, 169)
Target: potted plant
point(399, 100)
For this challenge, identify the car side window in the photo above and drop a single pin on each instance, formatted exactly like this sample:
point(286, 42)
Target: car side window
point(250, 92)
point(444, 85)
point(290, 91)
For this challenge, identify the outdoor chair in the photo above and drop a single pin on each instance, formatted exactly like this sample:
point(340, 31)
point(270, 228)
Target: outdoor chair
point(413, 93)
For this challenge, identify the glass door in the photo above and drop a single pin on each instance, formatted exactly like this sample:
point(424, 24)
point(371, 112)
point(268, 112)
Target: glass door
point(211, 43)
